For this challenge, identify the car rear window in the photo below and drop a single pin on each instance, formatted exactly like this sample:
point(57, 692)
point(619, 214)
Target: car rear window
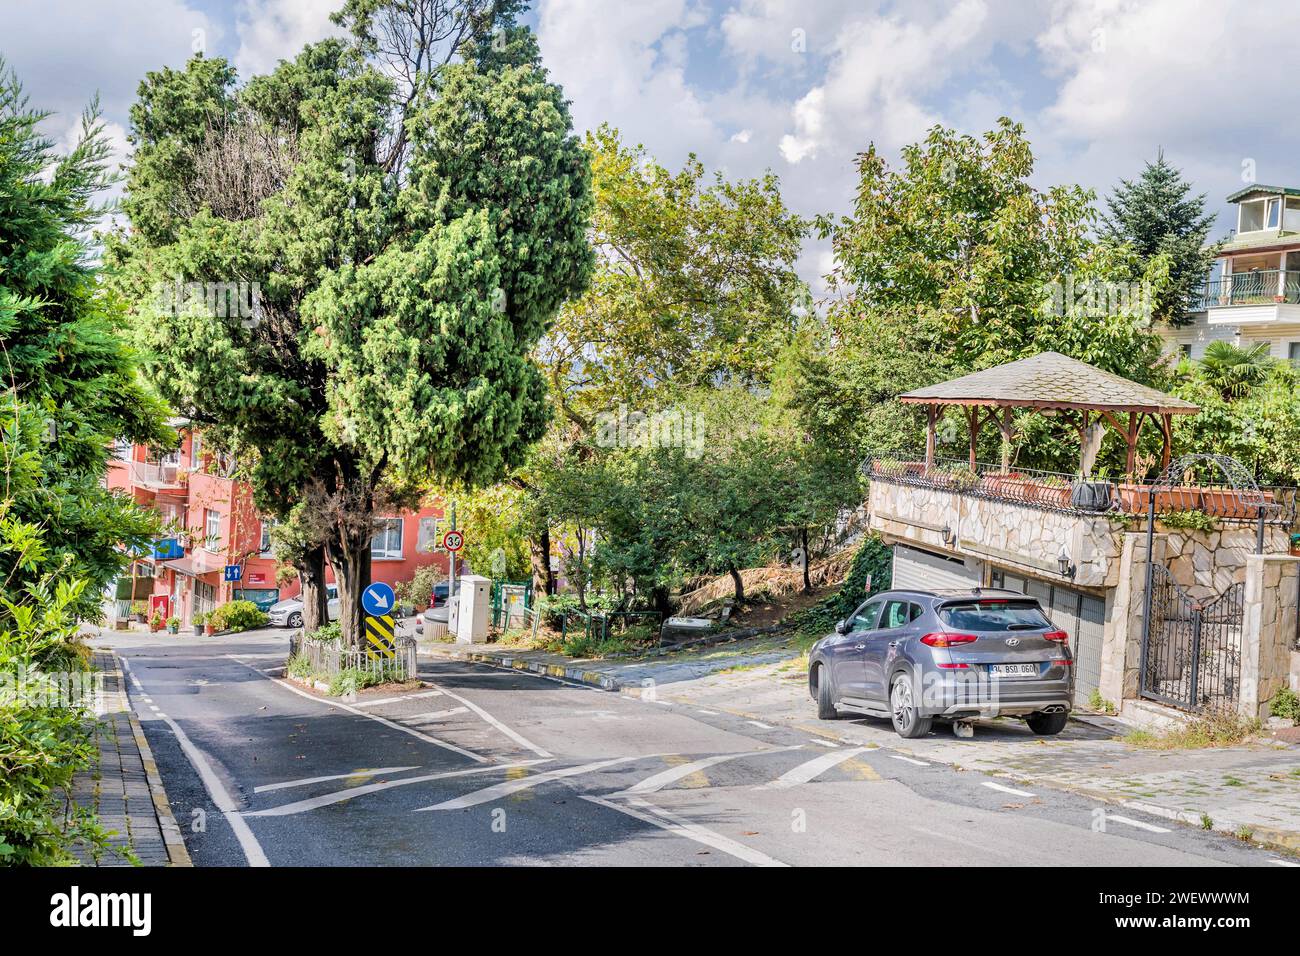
point(994, 616)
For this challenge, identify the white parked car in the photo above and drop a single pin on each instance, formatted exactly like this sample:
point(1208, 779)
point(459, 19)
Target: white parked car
point(288, 613)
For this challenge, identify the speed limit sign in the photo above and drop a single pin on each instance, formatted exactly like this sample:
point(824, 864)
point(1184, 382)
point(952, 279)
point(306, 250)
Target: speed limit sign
point(453, 540)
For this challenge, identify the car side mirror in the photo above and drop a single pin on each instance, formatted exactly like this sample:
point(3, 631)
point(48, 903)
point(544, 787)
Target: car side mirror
point(842, 627)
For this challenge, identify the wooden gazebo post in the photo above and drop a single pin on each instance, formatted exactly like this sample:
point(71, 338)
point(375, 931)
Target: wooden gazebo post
point(931, 414)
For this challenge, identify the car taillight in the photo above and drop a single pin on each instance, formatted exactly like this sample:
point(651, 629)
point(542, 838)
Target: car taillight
point(942, 639)
point(1058, 636)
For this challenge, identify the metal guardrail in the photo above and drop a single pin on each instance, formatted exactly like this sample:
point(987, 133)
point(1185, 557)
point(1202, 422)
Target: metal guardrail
point(1263, 286)
point(330, 657)
point(1068, 494)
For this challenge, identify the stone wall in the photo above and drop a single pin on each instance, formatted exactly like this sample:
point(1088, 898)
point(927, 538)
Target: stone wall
point(1207, 563)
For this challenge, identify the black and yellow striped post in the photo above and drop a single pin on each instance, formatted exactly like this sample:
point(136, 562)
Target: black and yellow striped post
point(380, 639)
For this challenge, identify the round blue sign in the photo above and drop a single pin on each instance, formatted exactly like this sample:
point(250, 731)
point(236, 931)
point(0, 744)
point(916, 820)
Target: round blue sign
point(378, 599)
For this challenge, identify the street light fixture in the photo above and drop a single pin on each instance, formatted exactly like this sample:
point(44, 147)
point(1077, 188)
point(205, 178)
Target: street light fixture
point(1064, 566)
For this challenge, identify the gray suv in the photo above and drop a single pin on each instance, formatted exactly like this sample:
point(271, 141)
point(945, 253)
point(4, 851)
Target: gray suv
point(914, 656)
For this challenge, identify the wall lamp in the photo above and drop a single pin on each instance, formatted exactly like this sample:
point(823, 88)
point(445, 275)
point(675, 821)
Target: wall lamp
point(1063, 564)
point(946, 533)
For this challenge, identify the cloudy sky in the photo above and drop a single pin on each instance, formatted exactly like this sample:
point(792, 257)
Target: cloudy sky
point(797, 86)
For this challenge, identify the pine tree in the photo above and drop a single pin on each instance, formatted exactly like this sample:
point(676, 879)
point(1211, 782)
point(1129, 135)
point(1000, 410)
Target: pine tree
point(1158, 214)
point(71, 385)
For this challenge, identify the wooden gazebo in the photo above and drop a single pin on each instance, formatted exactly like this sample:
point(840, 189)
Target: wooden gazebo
point(1051, 382)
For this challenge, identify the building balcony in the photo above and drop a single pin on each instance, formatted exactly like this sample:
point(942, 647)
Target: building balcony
point(156, 477)
point(1260, 296)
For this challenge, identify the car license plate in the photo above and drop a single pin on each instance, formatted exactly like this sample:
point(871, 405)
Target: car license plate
point(1013, 670)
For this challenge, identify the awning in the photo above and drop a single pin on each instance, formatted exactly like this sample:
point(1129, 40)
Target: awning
point(183, 566)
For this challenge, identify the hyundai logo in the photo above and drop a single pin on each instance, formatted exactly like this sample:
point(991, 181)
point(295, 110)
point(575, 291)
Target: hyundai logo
point(1012, 641)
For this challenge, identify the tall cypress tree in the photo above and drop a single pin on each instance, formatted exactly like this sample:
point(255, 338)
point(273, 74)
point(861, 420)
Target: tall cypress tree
point(1158, 214)
point(71, 385)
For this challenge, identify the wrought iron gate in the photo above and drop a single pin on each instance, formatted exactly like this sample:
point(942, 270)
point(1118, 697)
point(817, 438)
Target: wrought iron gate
point(1191, 650)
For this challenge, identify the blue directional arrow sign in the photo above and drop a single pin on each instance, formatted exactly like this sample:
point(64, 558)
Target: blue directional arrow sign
point(378, 599)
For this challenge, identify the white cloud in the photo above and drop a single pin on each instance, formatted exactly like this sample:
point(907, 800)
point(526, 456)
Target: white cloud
point(273, 30)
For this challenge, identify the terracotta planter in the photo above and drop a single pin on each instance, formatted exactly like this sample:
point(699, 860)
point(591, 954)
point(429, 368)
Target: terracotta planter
point(1055, 496)
point(1230, 504)
point(208, 630)
point(1007, 486)
point(1133, 499)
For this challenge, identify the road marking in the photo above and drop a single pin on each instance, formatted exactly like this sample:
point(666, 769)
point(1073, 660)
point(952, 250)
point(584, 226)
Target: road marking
point(477, 758)
point(500, 790)
point(662, 703)
point(1284, 863)
point(673, 774)
point(812, 769)
point(221, 798)
point(708, 713)
point(647, 812)
point(398, 700)
point(431, 715)
point(351, 793)
point(826, 743)
point(1136, 823)
point(516, 737)
point(919, 763)
point(307, 781)
point(759, 724)
point(1011, 790)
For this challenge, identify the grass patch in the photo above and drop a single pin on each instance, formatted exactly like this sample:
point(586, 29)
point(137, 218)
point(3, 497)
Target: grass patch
point(1206, 822)
point(1233, 782)
point(1212, 730)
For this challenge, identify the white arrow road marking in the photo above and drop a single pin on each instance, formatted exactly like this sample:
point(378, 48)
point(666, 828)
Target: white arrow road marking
point(307, 781)
point(647, 812)
point(398, 700)
point(1018, 793)
point(919, 763)
point(477, 758)
point(516, 737)
point(523, 783)
point(1136, 823)
point(673, 774)
point(302, 806)
point(221, 798)
point(812, 769)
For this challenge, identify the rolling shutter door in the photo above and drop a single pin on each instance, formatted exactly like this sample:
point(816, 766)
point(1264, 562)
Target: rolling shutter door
point(923, 571)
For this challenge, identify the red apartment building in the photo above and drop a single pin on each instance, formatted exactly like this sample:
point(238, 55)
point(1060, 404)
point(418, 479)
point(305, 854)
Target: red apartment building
point(216, 526)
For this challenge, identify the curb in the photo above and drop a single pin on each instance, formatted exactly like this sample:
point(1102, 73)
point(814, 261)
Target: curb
point(575, 674)
point(177, 855)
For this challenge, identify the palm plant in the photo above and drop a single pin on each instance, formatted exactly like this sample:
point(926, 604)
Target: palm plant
point(1235, 371)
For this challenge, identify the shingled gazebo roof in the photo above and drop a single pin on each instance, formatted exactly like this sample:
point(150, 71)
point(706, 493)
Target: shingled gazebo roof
point(1050, 380)
point(1050, 383)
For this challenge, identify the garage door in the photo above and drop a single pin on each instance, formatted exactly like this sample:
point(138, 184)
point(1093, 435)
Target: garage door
point(1082, 616)
point(925, 571)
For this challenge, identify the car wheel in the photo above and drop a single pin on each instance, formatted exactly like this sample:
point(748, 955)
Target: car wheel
point(295, 620)
point(907, 719)
point(825, 705)
point(1045, 725)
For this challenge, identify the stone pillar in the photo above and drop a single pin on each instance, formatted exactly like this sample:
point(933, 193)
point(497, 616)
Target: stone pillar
point(1121, 650)
point(1268, 630)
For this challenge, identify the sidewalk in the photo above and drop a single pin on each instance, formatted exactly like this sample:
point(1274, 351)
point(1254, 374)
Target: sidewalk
point(125, 790)
point(1252, 789)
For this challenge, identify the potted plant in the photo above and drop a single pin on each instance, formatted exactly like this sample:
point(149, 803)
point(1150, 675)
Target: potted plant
point(157, 621)
point(208, 627)
point(1048, 490)
point(173, 625)
point(138, 612)
point(1089, 495)
point(198, 620)
point(1229, 503)
point(1003, 484)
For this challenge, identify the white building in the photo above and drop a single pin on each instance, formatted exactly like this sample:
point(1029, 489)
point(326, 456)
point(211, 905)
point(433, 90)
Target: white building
point(1253, 293)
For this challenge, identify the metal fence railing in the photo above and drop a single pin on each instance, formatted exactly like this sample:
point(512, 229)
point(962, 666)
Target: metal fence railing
point(331, 657)
point(1261, 286)
point(1055, 491)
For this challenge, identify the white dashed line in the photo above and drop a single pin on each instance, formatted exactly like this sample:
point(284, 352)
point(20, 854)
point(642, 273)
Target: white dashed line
point(918, 763)
point(759, 724)
point(708, 713)
point(1136, 823)
point(812, 769)
point(432, 715)
point(1011, 790)
point(673, 774)
point(398, 700)
point(824, 743)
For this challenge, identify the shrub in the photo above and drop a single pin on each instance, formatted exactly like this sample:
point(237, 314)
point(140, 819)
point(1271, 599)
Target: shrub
point(1286, 703)
point(352, 679)
point(298, 666)
point(237, 616)
point(418, 591)
point(330, 633)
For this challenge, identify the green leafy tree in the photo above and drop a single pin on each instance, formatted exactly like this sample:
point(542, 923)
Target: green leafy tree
point(414, 229)
point(1158, 215)
point(1234, 370)
point(70, 379)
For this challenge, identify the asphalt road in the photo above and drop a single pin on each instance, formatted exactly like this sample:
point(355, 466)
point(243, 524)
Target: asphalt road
point(494, 767)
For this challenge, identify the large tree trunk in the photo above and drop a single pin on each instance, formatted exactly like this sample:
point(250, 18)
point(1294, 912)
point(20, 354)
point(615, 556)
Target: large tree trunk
point(539, 555)
point(807, 562)
point(349, 555)
point(315, 599)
